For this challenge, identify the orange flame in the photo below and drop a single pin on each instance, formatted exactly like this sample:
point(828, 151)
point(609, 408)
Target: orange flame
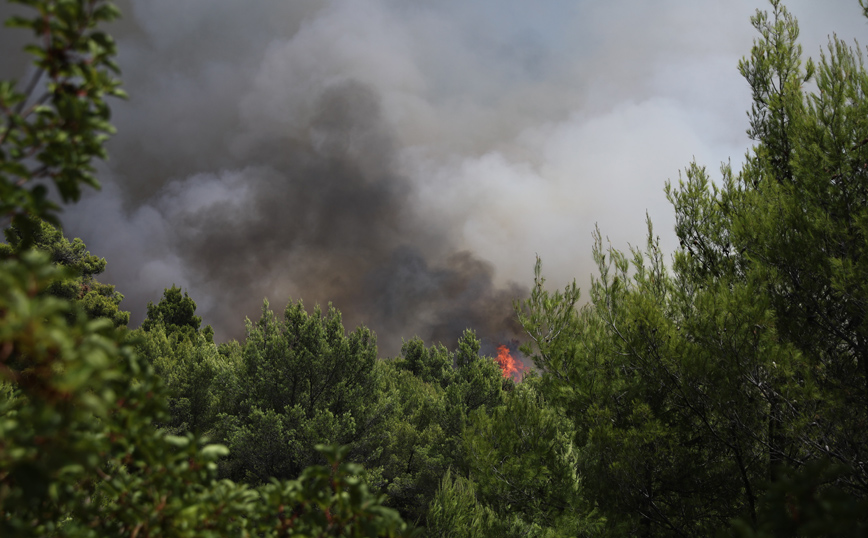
point(508, 365)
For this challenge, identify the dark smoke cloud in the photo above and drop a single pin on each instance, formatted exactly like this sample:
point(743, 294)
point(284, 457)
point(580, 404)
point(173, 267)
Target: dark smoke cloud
point(280, 177)
point(409, 296)
point(326, 216)
point(403, 160)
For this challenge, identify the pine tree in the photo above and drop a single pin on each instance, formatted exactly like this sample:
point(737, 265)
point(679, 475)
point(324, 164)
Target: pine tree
point(732, 385)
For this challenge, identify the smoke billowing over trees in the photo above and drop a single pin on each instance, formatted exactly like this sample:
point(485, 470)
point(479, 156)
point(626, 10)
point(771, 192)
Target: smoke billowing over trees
point(319, 150)
point(722, 390)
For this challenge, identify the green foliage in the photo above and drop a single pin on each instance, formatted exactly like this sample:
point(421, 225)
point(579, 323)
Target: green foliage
point(432, 365)
point(814, 255)
point(198, 378)
point(470, 380)
point(808, 503)
point(517, 475)
point(710, 391)
point(456, 513)
point(415, 448)
point(523, 464)
point(429, 393)
point(98, 300)
point(803, 234)
point(800, 234)
point(303, 381)
point(60, 382)
point(332, 500)
point(175, 313)
point(478, 380)
point(59, 123)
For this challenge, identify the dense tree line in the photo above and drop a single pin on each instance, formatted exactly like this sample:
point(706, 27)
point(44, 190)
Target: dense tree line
point(302, 380)
point(724, 391)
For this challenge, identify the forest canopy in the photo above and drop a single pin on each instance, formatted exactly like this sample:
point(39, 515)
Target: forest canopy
point(722, 390)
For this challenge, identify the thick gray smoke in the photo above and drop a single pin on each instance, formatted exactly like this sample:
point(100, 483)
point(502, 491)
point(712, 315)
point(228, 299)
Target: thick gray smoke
point(403, 160)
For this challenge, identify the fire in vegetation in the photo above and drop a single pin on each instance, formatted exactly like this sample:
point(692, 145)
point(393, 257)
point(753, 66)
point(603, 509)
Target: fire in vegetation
point(508, 365)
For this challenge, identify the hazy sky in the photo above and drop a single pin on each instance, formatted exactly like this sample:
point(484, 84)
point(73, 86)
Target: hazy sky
point(407, 160)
